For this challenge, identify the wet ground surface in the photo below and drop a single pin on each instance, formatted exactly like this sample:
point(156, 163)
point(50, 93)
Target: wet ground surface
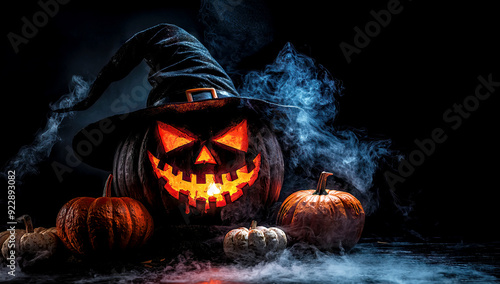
point(369, 262)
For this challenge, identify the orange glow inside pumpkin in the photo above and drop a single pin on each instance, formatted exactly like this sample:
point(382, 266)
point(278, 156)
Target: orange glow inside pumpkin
point(236, 137)
point(173, 138)
point(204, 192)
point(205, 157)
point(209, 194)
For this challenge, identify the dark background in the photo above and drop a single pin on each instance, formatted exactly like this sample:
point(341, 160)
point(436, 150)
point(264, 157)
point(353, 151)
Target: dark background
point(398, 87)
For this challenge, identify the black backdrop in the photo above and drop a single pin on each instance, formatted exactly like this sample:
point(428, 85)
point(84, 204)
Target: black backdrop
point(398, 86)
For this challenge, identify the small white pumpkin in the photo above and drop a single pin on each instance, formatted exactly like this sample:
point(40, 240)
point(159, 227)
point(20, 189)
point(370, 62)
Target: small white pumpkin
point(243, 243)
point(32, 245)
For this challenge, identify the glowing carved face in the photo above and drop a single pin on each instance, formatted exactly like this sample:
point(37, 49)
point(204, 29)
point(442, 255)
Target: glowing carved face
point(209, 178)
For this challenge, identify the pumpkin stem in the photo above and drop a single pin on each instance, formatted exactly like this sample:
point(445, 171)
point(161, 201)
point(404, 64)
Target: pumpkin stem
point(28, 223)
point(320, 188)
point(253, 225)
point(107, 187)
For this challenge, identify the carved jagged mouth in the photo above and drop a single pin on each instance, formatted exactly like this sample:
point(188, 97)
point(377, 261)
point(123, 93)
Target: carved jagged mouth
point(210, 194)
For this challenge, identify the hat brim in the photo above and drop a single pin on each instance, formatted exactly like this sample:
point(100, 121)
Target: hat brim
point(96, 144)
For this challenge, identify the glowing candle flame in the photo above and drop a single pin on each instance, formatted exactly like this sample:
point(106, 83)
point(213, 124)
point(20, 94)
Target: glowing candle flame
point(213, 189)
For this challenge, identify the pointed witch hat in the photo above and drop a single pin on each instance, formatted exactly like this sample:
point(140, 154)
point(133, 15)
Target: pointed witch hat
point(183, 73)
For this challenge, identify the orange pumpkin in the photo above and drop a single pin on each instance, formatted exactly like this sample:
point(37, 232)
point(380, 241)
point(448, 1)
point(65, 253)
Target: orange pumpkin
point(103, 224)
point(328, 219)
point(227, 166)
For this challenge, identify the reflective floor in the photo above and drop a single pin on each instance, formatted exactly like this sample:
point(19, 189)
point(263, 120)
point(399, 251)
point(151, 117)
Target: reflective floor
point(371, 262)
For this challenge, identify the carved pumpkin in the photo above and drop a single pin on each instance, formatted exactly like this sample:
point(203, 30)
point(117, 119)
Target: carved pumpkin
point(243, 243)
point(31, 246)
point(103, 224)
point(198, 152)
point(225, 162)
point(328, 219)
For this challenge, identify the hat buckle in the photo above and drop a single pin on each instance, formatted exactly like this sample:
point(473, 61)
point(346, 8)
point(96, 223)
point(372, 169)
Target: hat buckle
point(200, 91)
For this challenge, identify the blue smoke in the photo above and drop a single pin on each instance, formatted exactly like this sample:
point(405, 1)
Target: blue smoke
point(310, 141)
point(26, 161)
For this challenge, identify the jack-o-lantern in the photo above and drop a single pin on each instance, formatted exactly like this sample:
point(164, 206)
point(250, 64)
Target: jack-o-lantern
point(230, 164)
point(211, 180)
point(198, 147)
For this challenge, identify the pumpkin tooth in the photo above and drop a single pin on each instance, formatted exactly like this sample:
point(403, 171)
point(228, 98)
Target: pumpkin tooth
point(232, 176)
point(201, 179)
point(218, 178)
point(175, 170)
point(227, 197)
point(161, 165)
point(226, 177)
point(250, 166)
point(200, 204)
point(186, 177)
point(189, 188)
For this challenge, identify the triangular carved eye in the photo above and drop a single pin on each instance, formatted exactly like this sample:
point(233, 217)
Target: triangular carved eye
point(235, 137)
point(173, 138)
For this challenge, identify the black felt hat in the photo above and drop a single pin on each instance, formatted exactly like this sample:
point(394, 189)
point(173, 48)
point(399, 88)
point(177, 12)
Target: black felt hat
point(183, 73)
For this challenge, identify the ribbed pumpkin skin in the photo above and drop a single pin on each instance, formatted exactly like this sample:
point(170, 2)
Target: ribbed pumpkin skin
point(133, 173)
point(330, 221)
point(254, 243)
point(33, 246)
point(103, 224)
point(134, 178)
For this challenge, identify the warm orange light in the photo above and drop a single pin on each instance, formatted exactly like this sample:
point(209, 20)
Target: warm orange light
point(205, 157)
point(213, 189)
point(236, 137)
point(173, 138)
point(212, 282)
point(203, 192)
